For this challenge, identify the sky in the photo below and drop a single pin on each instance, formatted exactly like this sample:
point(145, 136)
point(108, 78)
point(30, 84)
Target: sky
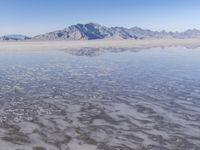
point(32, 17)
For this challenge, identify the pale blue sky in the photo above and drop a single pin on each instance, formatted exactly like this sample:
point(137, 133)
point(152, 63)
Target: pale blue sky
point(32, 17)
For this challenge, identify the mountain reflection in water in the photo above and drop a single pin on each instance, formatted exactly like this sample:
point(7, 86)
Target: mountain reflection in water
point(132, 100)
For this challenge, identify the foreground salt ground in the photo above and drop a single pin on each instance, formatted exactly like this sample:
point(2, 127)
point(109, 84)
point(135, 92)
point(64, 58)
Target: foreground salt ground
point(96, 104)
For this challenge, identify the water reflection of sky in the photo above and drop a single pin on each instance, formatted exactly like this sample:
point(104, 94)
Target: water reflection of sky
point(171, 63)
point(152, 93)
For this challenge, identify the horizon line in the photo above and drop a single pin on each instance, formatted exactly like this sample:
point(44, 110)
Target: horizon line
point(161, 30)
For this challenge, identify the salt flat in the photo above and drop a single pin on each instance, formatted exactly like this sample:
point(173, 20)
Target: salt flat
point(129, 43)
point(80, 99)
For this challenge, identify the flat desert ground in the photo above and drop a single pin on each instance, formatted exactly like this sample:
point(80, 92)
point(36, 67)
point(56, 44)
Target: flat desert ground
point(141, 99)
point(129, 43)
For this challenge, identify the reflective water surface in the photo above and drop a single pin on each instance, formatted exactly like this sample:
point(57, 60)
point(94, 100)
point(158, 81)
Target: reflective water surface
point(129, 100)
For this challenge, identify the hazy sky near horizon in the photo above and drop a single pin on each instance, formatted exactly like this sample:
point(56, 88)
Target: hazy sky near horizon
point(32, 17)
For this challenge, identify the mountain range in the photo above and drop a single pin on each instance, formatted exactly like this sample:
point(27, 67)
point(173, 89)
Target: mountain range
point(92, 31)
point(15, 37)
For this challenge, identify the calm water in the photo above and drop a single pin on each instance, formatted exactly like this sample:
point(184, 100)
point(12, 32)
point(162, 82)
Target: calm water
point(148, 99)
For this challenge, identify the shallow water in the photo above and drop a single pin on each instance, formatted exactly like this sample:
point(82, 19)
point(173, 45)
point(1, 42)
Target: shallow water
point(129, 100)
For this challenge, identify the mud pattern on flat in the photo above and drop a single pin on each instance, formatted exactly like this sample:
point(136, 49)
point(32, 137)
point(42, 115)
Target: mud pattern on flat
point(147, 100)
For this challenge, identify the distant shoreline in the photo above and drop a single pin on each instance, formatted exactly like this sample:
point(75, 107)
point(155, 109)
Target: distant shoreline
point(129, 43)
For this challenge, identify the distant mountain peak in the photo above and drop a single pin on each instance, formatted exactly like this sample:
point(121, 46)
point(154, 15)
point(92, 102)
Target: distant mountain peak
point(91, 31)
point(93, 24)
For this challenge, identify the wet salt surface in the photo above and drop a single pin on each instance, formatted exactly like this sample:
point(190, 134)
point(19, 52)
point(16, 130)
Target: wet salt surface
point(142, 100)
